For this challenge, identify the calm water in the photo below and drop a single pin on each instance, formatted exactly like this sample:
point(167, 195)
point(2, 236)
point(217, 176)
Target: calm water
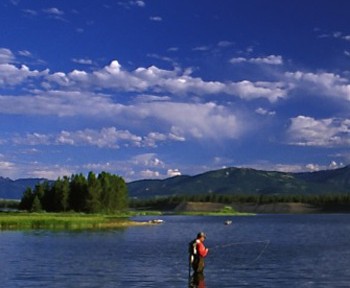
point(262, 251)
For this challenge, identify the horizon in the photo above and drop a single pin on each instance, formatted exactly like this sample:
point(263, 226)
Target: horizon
point(186, 175)
point(148, 90)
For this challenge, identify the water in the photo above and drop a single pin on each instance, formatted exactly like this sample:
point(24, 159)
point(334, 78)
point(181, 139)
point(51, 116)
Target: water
point(261, 251)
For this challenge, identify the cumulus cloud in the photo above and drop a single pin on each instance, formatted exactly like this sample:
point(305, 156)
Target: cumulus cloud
point(11, 75)
point(6, 56)
point(105, 138)
point(108, 137)
point(320, 83)
point(253, 90)
point(207, 120)
point(173, 172)
point(176, 82)
point(141, 80)
point(307, 131)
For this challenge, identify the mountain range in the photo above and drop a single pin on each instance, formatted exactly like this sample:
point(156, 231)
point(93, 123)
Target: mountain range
point(223, 181)
point(13, 189)
point(246, 181)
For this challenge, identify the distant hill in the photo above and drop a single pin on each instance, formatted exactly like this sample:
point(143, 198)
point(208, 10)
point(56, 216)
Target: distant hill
point(13, 189)
point(246, 181)
point(223, 181)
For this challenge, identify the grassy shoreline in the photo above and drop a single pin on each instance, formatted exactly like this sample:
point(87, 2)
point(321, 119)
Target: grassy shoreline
point(64, 221)
point(81, 221)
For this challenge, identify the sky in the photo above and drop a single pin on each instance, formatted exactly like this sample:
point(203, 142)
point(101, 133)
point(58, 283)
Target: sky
point(150, 89)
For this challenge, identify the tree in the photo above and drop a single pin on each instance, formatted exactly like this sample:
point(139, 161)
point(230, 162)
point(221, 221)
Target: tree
point(78, 193)
point(27, 200)
point(94, 191)
point(102, 193)
point(36, 206)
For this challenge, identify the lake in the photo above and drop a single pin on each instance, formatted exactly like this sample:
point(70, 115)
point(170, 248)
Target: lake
point(254, 251)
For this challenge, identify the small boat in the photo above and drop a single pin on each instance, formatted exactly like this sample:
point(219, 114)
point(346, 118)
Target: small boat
point(157, 221)
point(228, 222)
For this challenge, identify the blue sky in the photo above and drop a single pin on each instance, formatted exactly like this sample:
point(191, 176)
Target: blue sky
point(154, 88)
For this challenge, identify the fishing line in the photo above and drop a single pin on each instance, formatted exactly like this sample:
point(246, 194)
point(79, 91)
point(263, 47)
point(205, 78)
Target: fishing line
point(266, 242)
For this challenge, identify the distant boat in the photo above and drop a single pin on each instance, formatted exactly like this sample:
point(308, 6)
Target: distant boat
point(157, 221)
point(228, 222)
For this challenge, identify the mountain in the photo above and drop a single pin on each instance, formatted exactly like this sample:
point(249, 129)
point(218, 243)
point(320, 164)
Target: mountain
point(223, 181)
point(13, 189)
point(246, 181)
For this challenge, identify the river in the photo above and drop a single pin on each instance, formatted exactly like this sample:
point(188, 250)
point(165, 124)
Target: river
point(254, 251)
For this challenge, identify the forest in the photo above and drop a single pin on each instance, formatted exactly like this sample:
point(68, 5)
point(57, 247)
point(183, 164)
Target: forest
point(102, 193)
point(325, 202)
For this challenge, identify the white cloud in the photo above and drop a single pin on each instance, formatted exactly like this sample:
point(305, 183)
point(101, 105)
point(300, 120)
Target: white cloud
point(253, 90)
point(173, 172)
point(30, 12)
point(270, 60)
point(149, 174)
point(139, 3)
point(53, 11)
point(156, 18)
point(11, 75)
point(201, 48)
point(129, 4)
point(307, 131)
point(263, 111)
point(7, 169)
point(176, 82)
point(224, 44)
point(6, 56)
point(25, 53)
point(207, 120)
point(147, 160)
point(328, 84)
point(105, 138)
point(83, 61)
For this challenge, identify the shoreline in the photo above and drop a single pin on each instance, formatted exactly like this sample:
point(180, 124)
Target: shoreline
point(64, 221)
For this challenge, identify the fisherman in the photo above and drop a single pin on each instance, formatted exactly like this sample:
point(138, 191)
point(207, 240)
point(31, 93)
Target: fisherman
point(198, 252)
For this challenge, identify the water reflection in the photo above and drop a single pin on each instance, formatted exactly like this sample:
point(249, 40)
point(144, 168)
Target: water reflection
point(197, 280)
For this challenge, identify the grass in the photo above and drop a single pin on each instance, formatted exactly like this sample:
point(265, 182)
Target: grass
point(226, 211)
point(80, 221)
point(22, 221)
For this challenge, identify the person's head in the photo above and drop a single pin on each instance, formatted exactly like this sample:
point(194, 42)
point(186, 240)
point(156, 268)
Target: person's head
point(201, 236)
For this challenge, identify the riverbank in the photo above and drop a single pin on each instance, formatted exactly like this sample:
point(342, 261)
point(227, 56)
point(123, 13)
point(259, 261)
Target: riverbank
point(69, 221)
point(245, 208)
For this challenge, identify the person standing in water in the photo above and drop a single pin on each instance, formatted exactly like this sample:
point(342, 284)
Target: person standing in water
point(198, 252)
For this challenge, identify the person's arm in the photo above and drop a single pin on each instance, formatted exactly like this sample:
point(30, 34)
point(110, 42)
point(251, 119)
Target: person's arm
point(202, 251)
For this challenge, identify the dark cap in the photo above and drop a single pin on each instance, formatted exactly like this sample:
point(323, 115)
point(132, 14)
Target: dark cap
point(201, 234)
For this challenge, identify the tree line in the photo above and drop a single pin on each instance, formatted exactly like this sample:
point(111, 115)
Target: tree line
point(325, 202)
point(104, 192)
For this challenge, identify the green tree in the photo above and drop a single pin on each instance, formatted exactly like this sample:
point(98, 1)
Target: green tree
point(60, 194)
point(27, 200)
point(78, 193)
point(36, 206)
point(94, 191)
